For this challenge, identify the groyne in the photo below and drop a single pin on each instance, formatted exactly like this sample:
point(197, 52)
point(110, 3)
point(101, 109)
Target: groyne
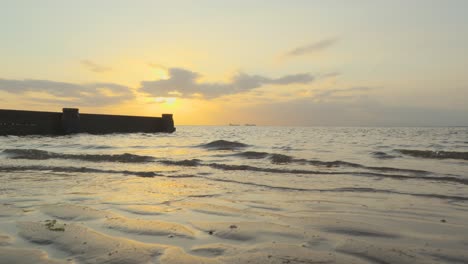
point(71, 121)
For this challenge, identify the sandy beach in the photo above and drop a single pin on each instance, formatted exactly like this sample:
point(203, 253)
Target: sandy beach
point(129, 224)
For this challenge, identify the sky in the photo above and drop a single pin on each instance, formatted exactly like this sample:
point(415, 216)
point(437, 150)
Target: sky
point(267, 62)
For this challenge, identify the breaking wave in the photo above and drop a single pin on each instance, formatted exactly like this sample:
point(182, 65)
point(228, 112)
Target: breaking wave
point(224, 145)
point(428, 154)
point(36, 154)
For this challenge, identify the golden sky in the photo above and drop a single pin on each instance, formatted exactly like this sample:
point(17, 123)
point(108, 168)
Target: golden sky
point(347, 63)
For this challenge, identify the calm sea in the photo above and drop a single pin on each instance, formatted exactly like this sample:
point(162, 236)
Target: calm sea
point(410, 182)
point(394, 161)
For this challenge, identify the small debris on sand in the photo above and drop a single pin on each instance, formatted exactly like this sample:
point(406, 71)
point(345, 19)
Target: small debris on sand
point(51, 225)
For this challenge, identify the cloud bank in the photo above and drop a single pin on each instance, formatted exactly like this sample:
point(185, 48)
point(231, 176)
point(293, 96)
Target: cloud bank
point(359, 111)
point(93, 94)
point(184, 83)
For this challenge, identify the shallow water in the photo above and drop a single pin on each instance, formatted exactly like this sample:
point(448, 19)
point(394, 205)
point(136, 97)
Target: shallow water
point(237, 194)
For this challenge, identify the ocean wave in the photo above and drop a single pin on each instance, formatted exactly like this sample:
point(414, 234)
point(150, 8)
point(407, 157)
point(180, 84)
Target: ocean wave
point(252, 154)
point(230, 167)
point(341, 163)
point(186, 163)
point(343, 190)
point(274, 158)
point(76, 170)
point(285, 159)
point(331, 164)
point(280, 159)
point(97, 147)
point(428, 154)
point(71, 169)
point(422, 177)
point(382, 155)
point(224, 145)
point(36, 154)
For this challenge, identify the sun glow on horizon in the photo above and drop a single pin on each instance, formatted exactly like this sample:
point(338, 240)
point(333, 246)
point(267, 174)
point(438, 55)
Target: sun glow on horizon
point(161, 73)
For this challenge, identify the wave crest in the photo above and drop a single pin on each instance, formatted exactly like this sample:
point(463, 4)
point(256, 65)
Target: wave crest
point(224, 145)
point(428, 154)
point(36, 154)
point(77, 170)
point(252, 155)
point(382, 155)
point(186, 163)
point(280, 159)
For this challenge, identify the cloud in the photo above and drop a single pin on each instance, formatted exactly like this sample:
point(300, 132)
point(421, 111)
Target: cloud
point(94, 67)
point(341, 92)
point(361, 111)
point(312, 47)
point(185, 83)
point(93, 94)
point(330, 75)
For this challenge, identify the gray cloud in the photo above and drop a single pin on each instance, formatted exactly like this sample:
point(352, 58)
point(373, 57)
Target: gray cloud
point(93, 94)
point(94, 67)
point(312, 47)
point(185, 83)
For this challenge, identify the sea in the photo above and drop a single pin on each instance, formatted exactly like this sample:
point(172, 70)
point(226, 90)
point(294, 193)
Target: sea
point(241, 193)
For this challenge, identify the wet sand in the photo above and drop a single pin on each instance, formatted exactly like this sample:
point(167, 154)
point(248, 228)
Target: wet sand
point(192, 221)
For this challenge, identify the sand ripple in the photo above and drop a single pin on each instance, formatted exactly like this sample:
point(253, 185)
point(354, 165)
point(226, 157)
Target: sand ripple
point(8, 211)
point(381, 254)
point(244, 231)
point(89, 246)
point(4, 239)
point(177, 255)
point(26, 256)
point(149, 227)
point(73, 212)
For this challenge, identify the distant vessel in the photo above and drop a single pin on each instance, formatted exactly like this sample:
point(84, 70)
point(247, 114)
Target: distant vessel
point(230, 124)
point(70, 121)
point(250, 125)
